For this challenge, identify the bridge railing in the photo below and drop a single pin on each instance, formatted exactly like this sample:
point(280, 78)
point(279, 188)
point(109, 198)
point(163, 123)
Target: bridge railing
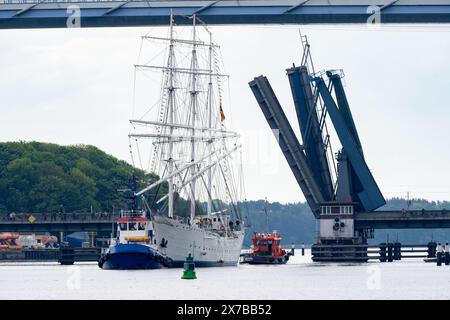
point(59, 217)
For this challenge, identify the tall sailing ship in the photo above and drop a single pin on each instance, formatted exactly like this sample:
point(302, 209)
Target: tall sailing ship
point(195, 202)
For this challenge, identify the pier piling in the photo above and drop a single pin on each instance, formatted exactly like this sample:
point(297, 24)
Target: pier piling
point(382, 252)
point(390, 256)
point(439, 258)
point(397, 251)
point(70, 255)
point(432, 249)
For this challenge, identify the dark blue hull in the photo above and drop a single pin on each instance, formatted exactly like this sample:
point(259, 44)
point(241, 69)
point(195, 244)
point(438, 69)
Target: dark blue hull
point(131, 256)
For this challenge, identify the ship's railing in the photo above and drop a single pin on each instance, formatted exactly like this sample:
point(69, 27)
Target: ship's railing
point(336, 209)
point(275, 233)
point(132, 214)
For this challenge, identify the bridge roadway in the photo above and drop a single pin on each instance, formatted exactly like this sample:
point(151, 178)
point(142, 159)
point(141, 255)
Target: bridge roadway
point(68, 222)
point(406, 219)
point(21, 14)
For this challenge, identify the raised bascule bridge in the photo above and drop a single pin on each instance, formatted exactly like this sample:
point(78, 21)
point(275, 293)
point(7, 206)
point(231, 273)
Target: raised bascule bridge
point(339, 187)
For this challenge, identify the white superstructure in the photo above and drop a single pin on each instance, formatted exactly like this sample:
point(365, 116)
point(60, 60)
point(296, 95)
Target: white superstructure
point(210, 247)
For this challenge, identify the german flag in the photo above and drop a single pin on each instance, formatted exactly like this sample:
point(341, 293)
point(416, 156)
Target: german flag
point(222, 115)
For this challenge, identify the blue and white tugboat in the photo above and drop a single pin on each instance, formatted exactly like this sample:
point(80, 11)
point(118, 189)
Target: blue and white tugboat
point(133, 247)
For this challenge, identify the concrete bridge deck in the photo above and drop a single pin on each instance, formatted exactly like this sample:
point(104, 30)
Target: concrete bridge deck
point(406, 219)
point(75, 222)
point(19, 14)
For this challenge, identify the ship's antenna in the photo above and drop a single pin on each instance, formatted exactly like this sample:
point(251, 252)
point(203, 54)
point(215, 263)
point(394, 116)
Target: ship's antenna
point(131, 193)
point(267, 214)
point(408, 201)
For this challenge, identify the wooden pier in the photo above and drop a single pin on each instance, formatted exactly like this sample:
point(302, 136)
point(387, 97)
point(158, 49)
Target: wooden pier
point(70, 255)
point(63, 255)
point(384, 252)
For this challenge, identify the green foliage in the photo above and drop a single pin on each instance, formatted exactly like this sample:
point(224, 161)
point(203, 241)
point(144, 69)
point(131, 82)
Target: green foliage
point(44, 177)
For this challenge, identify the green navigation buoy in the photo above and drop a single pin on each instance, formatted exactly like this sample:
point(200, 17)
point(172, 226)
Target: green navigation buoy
point(189, 268)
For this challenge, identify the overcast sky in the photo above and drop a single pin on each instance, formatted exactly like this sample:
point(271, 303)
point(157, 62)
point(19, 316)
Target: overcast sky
point(75, 86)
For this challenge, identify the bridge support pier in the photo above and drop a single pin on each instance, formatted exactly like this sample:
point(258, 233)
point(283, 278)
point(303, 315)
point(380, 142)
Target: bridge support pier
point(92, 237)
point(338, 240)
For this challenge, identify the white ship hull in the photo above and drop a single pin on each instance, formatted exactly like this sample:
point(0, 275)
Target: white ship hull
point(208, 248)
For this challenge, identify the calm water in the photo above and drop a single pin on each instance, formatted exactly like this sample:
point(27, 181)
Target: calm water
point(299, 279)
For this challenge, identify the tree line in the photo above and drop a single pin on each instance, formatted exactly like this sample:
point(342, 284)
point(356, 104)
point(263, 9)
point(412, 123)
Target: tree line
point(45, 177)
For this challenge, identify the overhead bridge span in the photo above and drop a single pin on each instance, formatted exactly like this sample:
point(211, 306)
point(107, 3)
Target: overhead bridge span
point(22, 14)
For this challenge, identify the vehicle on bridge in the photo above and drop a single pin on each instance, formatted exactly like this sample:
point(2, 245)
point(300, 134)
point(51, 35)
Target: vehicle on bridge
point(8, 241)
point(37, 241)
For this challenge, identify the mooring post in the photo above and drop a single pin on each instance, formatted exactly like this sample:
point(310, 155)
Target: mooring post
point(382, 252)
point(439, 255)
point(66, 255)
point(390, 257)
point(431, 249)
point(446, 254)
point(397, 251)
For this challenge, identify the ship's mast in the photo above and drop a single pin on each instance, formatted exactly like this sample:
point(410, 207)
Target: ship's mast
point(210, 96)
point(192, 133)
point(171, 101)
point(193, 113)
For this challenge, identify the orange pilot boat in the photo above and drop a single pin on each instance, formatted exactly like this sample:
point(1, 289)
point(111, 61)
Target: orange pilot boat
point(266, 249)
